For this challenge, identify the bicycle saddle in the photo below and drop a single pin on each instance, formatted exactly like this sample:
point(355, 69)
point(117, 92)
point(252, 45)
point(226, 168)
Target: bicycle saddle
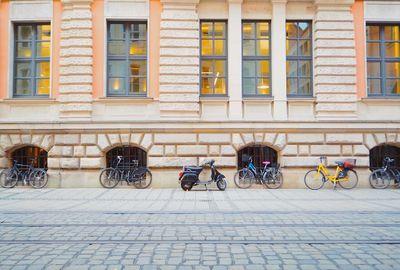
point(266, 162)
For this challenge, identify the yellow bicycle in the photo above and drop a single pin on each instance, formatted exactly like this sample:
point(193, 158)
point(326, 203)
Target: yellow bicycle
point(345, 176)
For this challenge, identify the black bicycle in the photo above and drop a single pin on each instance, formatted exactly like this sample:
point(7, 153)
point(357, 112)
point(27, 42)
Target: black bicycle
point(28, 174)
point(382, 177)
point(130, 172)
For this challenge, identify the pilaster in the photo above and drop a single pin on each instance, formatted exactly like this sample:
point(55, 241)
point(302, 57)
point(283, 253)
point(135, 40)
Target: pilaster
point(335, 60)
point(278, 35)
point(179, 59)
point(76, 60)
point(235, 59)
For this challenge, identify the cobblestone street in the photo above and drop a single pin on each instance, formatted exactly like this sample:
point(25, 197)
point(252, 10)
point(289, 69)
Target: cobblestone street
point(169, 229)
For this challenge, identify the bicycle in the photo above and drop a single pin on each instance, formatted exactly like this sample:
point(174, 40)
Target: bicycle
point(381, 178)
point(130, 172)
point(344, 175)
point(36, 177)
point(270, 176)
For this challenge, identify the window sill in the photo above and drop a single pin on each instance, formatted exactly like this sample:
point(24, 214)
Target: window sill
point(381, 100)
point(33, 101)
point(129, 99)
point(301, 99)
point(259, 99)
point(214, 98)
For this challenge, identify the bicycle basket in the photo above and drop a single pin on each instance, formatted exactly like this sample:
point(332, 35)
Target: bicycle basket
point(350, 162)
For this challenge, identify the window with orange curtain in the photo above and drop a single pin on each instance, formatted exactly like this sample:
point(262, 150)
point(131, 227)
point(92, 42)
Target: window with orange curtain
point(213, 62)
point(383, 60)
point(32, 60)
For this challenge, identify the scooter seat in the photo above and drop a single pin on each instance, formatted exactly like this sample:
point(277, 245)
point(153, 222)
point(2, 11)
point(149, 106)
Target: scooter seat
point(194, 169)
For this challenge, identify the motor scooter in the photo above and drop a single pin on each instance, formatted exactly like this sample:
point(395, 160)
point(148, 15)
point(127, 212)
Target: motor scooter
point(189, 176)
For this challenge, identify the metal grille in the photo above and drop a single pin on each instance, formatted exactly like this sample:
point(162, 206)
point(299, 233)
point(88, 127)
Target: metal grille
point(378, 153)
point(259, 153)
point(128, 153)
point(25, 154)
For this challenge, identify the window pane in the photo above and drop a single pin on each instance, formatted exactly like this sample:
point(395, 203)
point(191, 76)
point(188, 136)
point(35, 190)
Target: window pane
point(23, 70)
point(219, 68)
point(219, 86)
point(374, 86)
point(263, 47)
point(43, 49)
point(291, 30)
point(24, 32)
point(138, 68)
point(291, 47)
point(263, 69)
point(116, 48)
point(305, 47)
point(373, 49)
point(249, 86)
point(304, 30)
point(393, 87)
point(374, 69)
point(24, 49)
point(43, 69)
point(291, 86)
point(116, 85)
point(206, 68)
point(137, 86)
point(23, 87)
point(43, 86)
point(44, 32)
point(262, 30)
point(206, 47)
point(206, 29)
point(305, 68)
point(249, 68)
point(392, 32)
point(206, 86)
point(263, 86)
point(116, 68)
point(219, 30)
point(219, 47)
point(372, 32)
point(138, 31)
point(291, 68)
point(248, 30)
point(116, 31)
point(304, 87)
point(249, 47)
point(392, 49)
point(138, 48)
point(392, 69)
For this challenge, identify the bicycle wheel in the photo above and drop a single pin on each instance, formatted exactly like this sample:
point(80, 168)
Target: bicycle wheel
point(244, 178)
point(8, 178)
point(314, 180)
point(144, 180)
point(38, 178)
point(350, 181)
point(109, 177)
point(379, 179)
point(273, 180)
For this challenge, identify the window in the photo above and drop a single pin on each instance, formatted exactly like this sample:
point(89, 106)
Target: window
point(383, 60)
point(213, 58)
point(31, 155)
point(32, 60)
point(127, 59)
point(256, 59)
point(259, 153)
point(128, 153)
point(298, 58)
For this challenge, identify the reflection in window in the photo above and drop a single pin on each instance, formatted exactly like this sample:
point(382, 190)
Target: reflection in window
point(213, 58)
point(127, 58)
point(298, 58)
point(32, 60)
point(256, 58)
point(383, 60)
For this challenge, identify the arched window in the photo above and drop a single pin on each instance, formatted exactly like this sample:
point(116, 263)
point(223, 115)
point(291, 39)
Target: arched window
point(30, 154)
point(259, 153)
point(128, 153)
point(378, 153)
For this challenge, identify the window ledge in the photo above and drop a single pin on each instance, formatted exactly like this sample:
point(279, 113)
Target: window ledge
point(33, 101)
point(301, 99)
point(260, 99)
point(378, 100)
point(124, 100)
point(214, 99)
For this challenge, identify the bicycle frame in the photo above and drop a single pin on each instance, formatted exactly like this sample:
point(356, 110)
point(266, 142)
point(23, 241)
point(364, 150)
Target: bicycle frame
point(333, 178)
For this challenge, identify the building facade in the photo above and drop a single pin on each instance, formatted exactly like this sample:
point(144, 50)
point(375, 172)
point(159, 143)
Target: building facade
point(175, 82)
